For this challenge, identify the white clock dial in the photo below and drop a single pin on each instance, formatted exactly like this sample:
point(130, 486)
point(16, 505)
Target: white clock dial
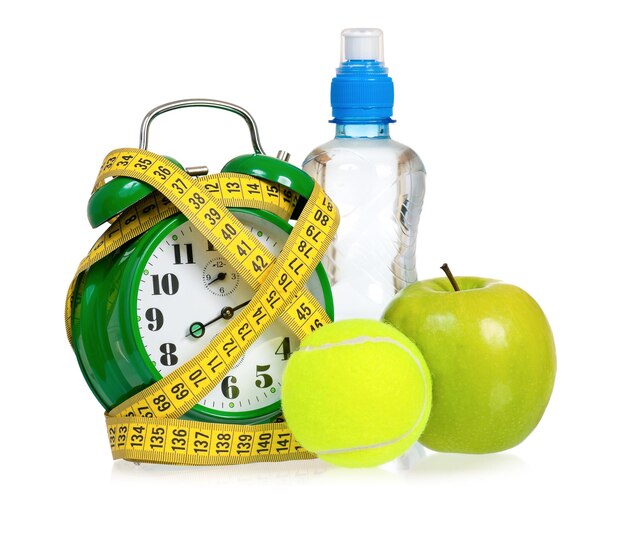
point(187, 294)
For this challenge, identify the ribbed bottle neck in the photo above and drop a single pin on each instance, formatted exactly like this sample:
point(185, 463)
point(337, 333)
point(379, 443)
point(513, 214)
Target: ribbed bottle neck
point(362, 130)
point(361, 92)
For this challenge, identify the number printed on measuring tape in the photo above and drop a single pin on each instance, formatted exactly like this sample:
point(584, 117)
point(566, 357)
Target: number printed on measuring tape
point(147, 426)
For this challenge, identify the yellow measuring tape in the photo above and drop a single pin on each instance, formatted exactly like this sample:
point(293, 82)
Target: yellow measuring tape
point(147, 427)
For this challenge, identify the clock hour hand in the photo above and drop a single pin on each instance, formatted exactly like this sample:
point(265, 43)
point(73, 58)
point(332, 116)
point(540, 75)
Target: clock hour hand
point(197, 329)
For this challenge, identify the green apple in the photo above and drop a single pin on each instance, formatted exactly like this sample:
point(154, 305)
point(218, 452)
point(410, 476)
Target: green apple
point(491, 355)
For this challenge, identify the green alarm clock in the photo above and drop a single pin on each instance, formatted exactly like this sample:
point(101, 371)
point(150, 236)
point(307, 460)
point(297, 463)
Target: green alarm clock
point(154, 303)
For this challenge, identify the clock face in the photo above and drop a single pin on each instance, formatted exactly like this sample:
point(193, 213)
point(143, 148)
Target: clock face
point(186, 295)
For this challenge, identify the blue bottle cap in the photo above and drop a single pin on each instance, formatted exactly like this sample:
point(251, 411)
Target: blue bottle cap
point(362, 91)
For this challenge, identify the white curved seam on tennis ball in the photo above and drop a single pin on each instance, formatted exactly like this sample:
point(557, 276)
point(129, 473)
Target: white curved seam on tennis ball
point(367, 339)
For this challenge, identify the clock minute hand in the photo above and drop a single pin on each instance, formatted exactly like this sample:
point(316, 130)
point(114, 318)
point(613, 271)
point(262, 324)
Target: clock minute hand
point(241, 305)
point(197, 328)
point(228, 312)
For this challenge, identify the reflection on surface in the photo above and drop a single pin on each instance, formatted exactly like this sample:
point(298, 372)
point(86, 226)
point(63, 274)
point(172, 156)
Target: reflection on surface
point(296, 471)
point(416, 464)
point(453, 464)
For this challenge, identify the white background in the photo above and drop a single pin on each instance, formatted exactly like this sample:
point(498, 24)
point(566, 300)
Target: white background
point(518, 111)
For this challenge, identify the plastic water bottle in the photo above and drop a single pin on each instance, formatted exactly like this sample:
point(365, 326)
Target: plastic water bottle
point(377, 183)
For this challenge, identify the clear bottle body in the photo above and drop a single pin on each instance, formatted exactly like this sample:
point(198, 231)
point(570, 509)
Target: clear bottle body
point(378, 185)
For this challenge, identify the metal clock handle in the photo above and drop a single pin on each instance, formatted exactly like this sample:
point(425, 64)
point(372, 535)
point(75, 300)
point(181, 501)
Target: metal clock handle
point(192, 103)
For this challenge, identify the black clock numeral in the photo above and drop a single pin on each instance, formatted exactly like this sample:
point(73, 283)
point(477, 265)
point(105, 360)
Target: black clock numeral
point(169, 284)
point(265, 380)
point(155, 317)
point(188, 252)
point(229, 389)
point(168, 358)
point(284, 349)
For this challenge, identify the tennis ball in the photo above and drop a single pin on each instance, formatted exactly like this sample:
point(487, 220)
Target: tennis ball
point(357, 393)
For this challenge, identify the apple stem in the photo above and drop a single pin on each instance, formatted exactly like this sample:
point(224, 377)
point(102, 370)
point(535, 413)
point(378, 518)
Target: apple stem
point(451, 278)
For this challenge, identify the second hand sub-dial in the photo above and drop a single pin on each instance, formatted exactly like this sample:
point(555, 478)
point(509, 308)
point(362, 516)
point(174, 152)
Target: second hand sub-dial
point(197, 329)
point(219, 278)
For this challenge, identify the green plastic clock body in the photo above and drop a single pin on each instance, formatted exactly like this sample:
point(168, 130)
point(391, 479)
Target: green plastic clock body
point(108, 341)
